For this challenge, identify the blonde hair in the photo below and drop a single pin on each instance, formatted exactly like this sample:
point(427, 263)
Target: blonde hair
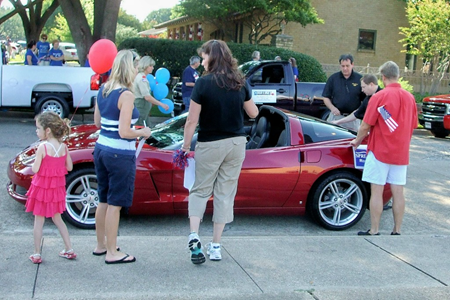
point(122, 73)
point(59, 127)
point(145, 62)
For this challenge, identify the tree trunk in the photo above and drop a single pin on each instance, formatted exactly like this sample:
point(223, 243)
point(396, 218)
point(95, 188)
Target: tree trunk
point(33, 22)
point(106, 13)
point(79, 27)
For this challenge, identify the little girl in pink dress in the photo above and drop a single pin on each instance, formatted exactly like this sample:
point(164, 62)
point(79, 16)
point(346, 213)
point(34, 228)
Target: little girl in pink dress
point(47, 193)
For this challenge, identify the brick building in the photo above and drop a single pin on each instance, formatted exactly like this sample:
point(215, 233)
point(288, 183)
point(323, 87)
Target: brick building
point(366, 28)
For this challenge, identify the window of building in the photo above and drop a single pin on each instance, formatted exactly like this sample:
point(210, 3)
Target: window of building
point(366, 40)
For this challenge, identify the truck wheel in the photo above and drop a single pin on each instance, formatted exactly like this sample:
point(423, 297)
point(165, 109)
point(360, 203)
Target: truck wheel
point(439, 133)
point(52, 103)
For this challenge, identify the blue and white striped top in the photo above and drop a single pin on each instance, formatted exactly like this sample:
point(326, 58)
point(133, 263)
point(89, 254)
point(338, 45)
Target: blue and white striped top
point(109, 138)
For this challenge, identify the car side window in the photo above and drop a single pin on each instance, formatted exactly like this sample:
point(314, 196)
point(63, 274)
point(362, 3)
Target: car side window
point(256, 77)
point(273, 74)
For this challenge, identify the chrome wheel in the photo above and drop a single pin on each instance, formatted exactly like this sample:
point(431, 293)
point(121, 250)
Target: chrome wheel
point(82, 198)
point(339, 201)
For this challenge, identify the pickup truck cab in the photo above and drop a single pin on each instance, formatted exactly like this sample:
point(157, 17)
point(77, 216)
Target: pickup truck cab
point(272, 83)
point(48, 88)
point(435, 115)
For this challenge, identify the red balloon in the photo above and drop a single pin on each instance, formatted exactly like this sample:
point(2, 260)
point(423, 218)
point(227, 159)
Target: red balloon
point(102, 55)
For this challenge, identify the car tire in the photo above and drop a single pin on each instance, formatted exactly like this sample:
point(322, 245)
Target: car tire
point(81, 198)
point(52, 103)
point(338, 201)
point(442, 134)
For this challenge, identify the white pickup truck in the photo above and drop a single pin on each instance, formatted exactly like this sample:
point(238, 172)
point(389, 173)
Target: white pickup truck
point(48, 88)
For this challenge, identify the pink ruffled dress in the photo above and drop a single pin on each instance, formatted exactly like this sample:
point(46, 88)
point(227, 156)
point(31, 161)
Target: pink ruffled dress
point(47, 193)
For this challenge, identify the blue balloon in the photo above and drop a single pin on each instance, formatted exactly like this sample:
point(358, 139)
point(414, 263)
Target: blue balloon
point(160, 91)
point(169, 103)
point(152, 81)
point(162, 75)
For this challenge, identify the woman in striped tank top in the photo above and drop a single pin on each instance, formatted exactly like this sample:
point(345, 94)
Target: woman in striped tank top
point(114, 154)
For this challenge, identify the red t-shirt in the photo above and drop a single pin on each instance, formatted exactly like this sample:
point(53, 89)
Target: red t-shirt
point(392, 115)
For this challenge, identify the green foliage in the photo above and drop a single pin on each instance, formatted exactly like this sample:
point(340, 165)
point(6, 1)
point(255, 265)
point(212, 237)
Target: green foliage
point(159, 16)
point(124, 32)
point(129, 21)
point(12, 27)
point(262, 17)
point(404, 83)
point(174, 55)
point(61, 30)
point(428, 35)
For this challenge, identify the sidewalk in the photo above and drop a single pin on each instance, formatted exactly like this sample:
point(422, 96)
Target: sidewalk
point(300, 267)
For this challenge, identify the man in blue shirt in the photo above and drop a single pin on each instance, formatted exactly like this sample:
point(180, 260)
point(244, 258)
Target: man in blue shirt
point(43, 48)
point(190, 75)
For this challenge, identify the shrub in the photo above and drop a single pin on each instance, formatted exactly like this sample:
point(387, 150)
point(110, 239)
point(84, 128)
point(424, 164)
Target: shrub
point(174, 55)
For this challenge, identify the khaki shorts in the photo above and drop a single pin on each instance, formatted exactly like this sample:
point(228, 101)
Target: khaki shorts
point(217, 168)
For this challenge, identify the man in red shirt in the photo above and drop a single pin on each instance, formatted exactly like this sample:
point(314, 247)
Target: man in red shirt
point(391, 117)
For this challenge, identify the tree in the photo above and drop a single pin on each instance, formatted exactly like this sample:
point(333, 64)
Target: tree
point(129, 20)
point(106, 13)
point(159, 16)
point(12, 27)
point(428, 36)
point(105, 20)
point(34, 15)
point(264, 18)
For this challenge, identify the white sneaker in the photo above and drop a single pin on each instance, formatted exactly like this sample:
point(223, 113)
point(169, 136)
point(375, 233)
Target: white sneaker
point(213, 250)
point(195, 246)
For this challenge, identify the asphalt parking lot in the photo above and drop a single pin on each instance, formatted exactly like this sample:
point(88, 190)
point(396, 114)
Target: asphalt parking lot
point(264, 257)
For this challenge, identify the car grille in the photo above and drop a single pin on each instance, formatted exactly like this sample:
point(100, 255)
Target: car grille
point(438, 109)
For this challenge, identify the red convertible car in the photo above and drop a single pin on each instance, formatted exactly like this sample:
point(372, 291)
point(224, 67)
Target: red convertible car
point(294, 163)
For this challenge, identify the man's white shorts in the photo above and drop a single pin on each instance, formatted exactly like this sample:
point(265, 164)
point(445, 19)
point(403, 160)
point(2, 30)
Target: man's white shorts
point(377, 172)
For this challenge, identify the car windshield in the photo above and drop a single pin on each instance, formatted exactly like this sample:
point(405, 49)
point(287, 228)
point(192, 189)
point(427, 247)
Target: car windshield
point(246, 67)
point(169, 134)
point(316, 130)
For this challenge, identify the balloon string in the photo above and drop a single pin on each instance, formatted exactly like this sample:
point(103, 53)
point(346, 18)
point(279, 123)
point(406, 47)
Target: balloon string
point(78, 104)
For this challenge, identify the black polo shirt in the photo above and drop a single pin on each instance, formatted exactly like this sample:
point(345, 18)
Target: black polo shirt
point(345, 94)
point(359, 113)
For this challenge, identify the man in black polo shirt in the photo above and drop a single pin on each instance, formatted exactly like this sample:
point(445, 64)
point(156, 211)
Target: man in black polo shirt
point(342, 93)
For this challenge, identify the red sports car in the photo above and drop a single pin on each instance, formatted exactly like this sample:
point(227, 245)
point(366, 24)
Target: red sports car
point(294, 163)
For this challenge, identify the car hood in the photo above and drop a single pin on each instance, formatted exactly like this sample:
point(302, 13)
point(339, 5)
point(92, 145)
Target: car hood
point(438, 98)
point(82, 136)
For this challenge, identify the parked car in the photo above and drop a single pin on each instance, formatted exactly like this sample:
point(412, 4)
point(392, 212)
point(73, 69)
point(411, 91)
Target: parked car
point(434, 111)
point(299, 164)
point(177, 98)
point(69, 50)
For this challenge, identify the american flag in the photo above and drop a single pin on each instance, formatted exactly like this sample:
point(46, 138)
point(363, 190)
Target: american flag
point(392, 125)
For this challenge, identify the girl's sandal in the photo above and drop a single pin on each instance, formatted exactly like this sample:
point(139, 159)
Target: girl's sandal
point(36, 258)
point(69, 254)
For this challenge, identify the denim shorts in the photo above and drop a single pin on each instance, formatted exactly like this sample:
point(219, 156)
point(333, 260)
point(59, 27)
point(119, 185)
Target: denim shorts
point(115, 176)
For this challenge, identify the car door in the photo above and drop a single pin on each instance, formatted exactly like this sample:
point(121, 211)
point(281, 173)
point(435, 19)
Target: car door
point(272, 85)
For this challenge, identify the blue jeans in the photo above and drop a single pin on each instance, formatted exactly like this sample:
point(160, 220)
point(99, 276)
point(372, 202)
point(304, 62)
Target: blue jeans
point(187, 102)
